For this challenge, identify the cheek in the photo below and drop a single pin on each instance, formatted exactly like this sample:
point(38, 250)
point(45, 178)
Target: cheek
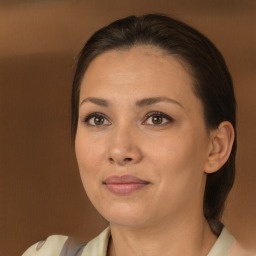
point(171, 150)
point(89, 156)
point(187, 147)
point(181, 160)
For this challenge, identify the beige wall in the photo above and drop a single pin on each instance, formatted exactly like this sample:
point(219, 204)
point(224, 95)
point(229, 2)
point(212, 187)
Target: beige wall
point(40, 189)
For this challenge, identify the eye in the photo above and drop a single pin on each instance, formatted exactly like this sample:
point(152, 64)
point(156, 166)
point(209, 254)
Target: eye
point(96, 119)
point(157, 118)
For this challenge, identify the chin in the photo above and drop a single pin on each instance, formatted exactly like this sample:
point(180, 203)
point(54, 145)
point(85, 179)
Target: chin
point(124, 216)
point(127, 221)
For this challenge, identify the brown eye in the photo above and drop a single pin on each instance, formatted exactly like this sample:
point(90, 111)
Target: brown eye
point(96, 119)
point(157, 118)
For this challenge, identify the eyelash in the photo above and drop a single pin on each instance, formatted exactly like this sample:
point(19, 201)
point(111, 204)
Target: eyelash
point(151, 114)
point(96, 114)
point(159, 114)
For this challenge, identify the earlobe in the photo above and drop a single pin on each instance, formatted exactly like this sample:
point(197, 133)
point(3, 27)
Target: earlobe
point(220, 147)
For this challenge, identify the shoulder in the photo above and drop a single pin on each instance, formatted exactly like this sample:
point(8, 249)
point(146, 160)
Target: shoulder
point(63, 245)
point(226, 244)
point(238, 249)
point(51, 246)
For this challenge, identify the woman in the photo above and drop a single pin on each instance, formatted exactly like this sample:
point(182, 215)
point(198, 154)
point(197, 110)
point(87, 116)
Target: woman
point(154, 125)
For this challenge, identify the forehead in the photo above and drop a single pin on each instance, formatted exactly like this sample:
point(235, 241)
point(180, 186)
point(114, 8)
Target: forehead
point(138, 63)
point(139, 72)
point(144, 57)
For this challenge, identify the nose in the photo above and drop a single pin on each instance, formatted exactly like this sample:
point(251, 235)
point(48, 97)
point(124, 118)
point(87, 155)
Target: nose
point(124, 148)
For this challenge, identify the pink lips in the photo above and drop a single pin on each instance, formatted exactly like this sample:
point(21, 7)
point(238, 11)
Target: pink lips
point(124, 185)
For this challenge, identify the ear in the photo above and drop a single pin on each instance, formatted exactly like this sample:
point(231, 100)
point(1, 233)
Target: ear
point(221, 143)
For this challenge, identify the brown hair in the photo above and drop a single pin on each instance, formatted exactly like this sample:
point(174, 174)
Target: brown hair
point(213, 84)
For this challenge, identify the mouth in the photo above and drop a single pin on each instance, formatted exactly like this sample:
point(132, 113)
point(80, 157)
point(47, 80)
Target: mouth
point(124, 185)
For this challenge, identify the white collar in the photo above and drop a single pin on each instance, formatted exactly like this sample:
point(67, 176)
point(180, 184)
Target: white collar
point(99, 245)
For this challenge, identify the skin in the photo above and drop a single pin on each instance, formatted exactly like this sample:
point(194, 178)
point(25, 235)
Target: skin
point(239, 249)
point(165, 217)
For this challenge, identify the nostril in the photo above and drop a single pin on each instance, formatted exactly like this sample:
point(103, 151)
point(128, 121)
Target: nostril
point(111, 160)
point(128, 159)
point(124, 160)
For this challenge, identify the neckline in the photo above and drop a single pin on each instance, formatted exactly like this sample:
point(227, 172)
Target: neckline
point(99, 245)
point(222, 244)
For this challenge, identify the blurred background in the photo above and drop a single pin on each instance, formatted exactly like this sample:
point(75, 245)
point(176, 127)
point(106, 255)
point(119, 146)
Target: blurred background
point(40, 188)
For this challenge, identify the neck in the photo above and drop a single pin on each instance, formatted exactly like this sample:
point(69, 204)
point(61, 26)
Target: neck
point(191, 236)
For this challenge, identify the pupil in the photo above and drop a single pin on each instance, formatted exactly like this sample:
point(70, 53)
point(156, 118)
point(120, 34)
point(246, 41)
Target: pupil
point(157, 119)
point(98, 120)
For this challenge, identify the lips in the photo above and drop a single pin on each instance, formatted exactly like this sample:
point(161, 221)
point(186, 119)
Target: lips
point(124, 185)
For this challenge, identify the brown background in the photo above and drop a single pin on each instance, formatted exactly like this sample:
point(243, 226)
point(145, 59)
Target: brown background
point(40, 189)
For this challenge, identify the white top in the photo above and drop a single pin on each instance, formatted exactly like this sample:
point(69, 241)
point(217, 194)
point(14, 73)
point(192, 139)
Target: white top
point(55, 246)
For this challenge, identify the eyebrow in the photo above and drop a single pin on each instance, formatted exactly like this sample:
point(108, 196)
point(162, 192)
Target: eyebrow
point(140, 103)
point(97, 101)
point(154, 100)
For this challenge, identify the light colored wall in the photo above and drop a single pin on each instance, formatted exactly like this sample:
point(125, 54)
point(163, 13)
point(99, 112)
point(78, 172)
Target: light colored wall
point(40, 188)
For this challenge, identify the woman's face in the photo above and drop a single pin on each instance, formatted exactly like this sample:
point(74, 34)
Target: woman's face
point(141, 142)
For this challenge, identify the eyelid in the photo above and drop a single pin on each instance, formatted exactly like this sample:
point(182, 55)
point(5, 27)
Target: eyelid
point(157, 113)
point(148, 115)
point(95, 114)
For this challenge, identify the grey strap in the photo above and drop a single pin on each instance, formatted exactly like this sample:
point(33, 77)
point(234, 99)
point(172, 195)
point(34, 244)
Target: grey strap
point(72, 249)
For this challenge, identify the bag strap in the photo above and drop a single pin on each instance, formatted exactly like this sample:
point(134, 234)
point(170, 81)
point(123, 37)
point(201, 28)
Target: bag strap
point(72, 249)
